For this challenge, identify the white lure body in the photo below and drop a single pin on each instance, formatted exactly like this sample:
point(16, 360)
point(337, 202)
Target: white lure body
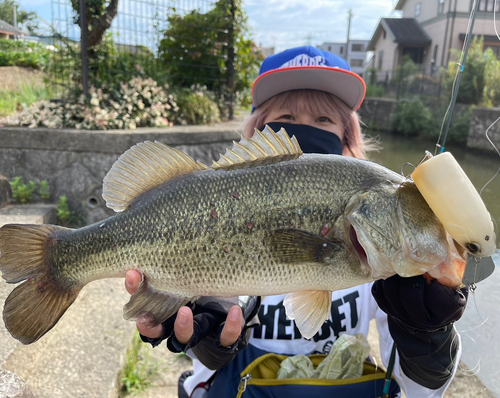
point(456, 203)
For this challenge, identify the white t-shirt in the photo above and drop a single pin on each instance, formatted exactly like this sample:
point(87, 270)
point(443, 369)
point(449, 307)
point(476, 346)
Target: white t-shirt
point(352, 311)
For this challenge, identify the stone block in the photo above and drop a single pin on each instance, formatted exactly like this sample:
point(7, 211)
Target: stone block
point(5, 191)
point(36, 213)
point(12, 386)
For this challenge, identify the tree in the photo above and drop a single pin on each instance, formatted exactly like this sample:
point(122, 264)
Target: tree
point(25, 20)
point(100, 14)
point(195, 47)
point(473, 79)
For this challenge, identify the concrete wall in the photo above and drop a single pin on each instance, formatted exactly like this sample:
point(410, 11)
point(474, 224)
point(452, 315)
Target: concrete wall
point(377, 113)
point(481, 120)
point(75, 163)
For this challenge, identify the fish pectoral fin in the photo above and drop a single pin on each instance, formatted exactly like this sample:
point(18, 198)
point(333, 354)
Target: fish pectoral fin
point(153, 305)
point(297, 246)
point(309, 309)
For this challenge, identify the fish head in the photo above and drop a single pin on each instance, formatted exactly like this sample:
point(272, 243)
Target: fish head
point(393, 230)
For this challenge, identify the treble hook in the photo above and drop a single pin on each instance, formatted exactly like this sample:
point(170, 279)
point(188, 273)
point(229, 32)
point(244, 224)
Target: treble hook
point(427, 155)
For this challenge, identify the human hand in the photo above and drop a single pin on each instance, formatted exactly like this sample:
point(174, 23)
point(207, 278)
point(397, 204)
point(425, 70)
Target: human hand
point(186, 322)
point(418, 303)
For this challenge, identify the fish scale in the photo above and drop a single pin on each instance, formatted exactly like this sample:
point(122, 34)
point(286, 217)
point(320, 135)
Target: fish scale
point(263, 200)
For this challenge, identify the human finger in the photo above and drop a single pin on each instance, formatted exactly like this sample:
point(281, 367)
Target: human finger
point(132, 280)
point(183, 326)
point(232, 328)
point(154, 332)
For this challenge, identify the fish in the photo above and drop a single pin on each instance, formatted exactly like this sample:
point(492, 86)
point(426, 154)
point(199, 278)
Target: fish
point(265, 219)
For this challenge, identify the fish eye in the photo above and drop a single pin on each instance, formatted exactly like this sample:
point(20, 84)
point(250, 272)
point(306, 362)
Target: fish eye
point(473, 247)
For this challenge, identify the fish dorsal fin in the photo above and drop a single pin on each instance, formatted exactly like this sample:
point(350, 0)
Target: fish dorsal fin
point(141, 168)
point(265, 147)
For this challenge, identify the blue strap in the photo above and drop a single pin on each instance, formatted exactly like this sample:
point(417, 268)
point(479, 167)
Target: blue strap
point(388, 374)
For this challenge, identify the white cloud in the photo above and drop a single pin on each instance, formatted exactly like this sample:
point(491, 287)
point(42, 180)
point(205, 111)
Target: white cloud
point(295, 22)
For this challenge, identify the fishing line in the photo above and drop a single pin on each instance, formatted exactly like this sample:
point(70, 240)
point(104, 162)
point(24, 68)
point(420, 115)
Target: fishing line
point(465, 333)
point(495, 122)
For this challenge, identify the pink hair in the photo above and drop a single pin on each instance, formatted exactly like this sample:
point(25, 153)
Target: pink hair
point(354, 143)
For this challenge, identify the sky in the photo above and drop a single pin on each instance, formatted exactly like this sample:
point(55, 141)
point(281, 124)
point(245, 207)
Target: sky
point(288, 23)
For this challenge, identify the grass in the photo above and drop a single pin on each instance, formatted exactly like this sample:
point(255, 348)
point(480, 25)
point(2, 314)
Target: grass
point(11, 100)
point(139, 370)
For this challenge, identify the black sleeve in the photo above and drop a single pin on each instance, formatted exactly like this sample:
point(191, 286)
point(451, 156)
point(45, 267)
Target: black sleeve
point(427, 358)
point(209, 316)
point(420, 318)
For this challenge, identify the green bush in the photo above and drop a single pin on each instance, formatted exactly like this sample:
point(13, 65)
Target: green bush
point(138, 103)
point(44, 190)
point(109, 66)
point(26, 93)
point(196, 106)
point(473, 78)
point(66, 216)
point(491, 91)
point(139, 370)
point(63, 212)
point(24, 53)
point(412, 117)
point(25, 193)
point(458, 131)
point(21, 192)
point(404, 76)
point(374, 90)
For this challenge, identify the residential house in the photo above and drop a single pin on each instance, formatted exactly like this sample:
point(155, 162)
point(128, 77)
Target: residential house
point(265, 51)
point(7, 31)
point(426, 32)
point(354, 52)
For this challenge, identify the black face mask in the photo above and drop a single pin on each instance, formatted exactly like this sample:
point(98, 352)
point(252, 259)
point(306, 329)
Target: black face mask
point(311, 139)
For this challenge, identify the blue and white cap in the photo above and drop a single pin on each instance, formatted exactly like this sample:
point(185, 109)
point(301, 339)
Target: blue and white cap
point(308, 68)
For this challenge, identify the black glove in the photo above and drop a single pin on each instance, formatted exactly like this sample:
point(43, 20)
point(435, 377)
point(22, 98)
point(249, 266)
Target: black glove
point(418, 305)
point(209, 316)
point(420, 318)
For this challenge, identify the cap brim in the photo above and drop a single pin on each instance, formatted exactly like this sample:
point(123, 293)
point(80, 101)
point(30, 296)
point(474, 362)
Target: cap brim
point(346, 85)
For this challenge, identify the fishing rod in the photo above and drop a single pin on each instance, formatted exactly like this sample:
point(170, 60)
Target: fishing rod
point(460, 73)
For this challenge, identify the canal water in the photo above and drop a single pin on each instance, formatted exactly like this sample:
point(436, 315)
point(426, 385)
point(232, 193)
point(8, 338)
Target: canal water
point(480, 326)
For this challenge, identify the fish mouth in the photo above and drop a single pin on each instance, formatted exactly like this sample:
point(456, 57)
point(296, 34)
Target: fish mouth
point(451, 271)
point(360, 251)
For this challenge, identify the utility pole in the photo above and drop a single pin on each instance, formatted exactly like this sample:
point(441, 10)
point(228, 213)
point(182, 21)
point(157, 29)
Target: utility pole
point(14, 7)
point(349, 17)
point(83, 47)
point(309, 39)
point(231, 61)
point(14, 17)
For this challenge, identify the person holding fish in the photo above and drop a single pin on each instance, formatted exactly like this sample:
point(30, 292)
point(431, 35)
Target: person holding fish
point(313, 95)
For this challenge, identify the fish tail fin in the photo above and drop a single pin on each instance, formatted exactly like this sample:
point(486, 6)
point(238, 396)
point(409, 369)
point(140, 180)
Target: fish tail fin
point(35, 306)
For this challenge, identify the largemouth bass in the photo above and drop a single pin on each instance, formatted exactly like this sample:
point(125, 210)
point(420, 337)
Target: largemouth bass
point(263, 220)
